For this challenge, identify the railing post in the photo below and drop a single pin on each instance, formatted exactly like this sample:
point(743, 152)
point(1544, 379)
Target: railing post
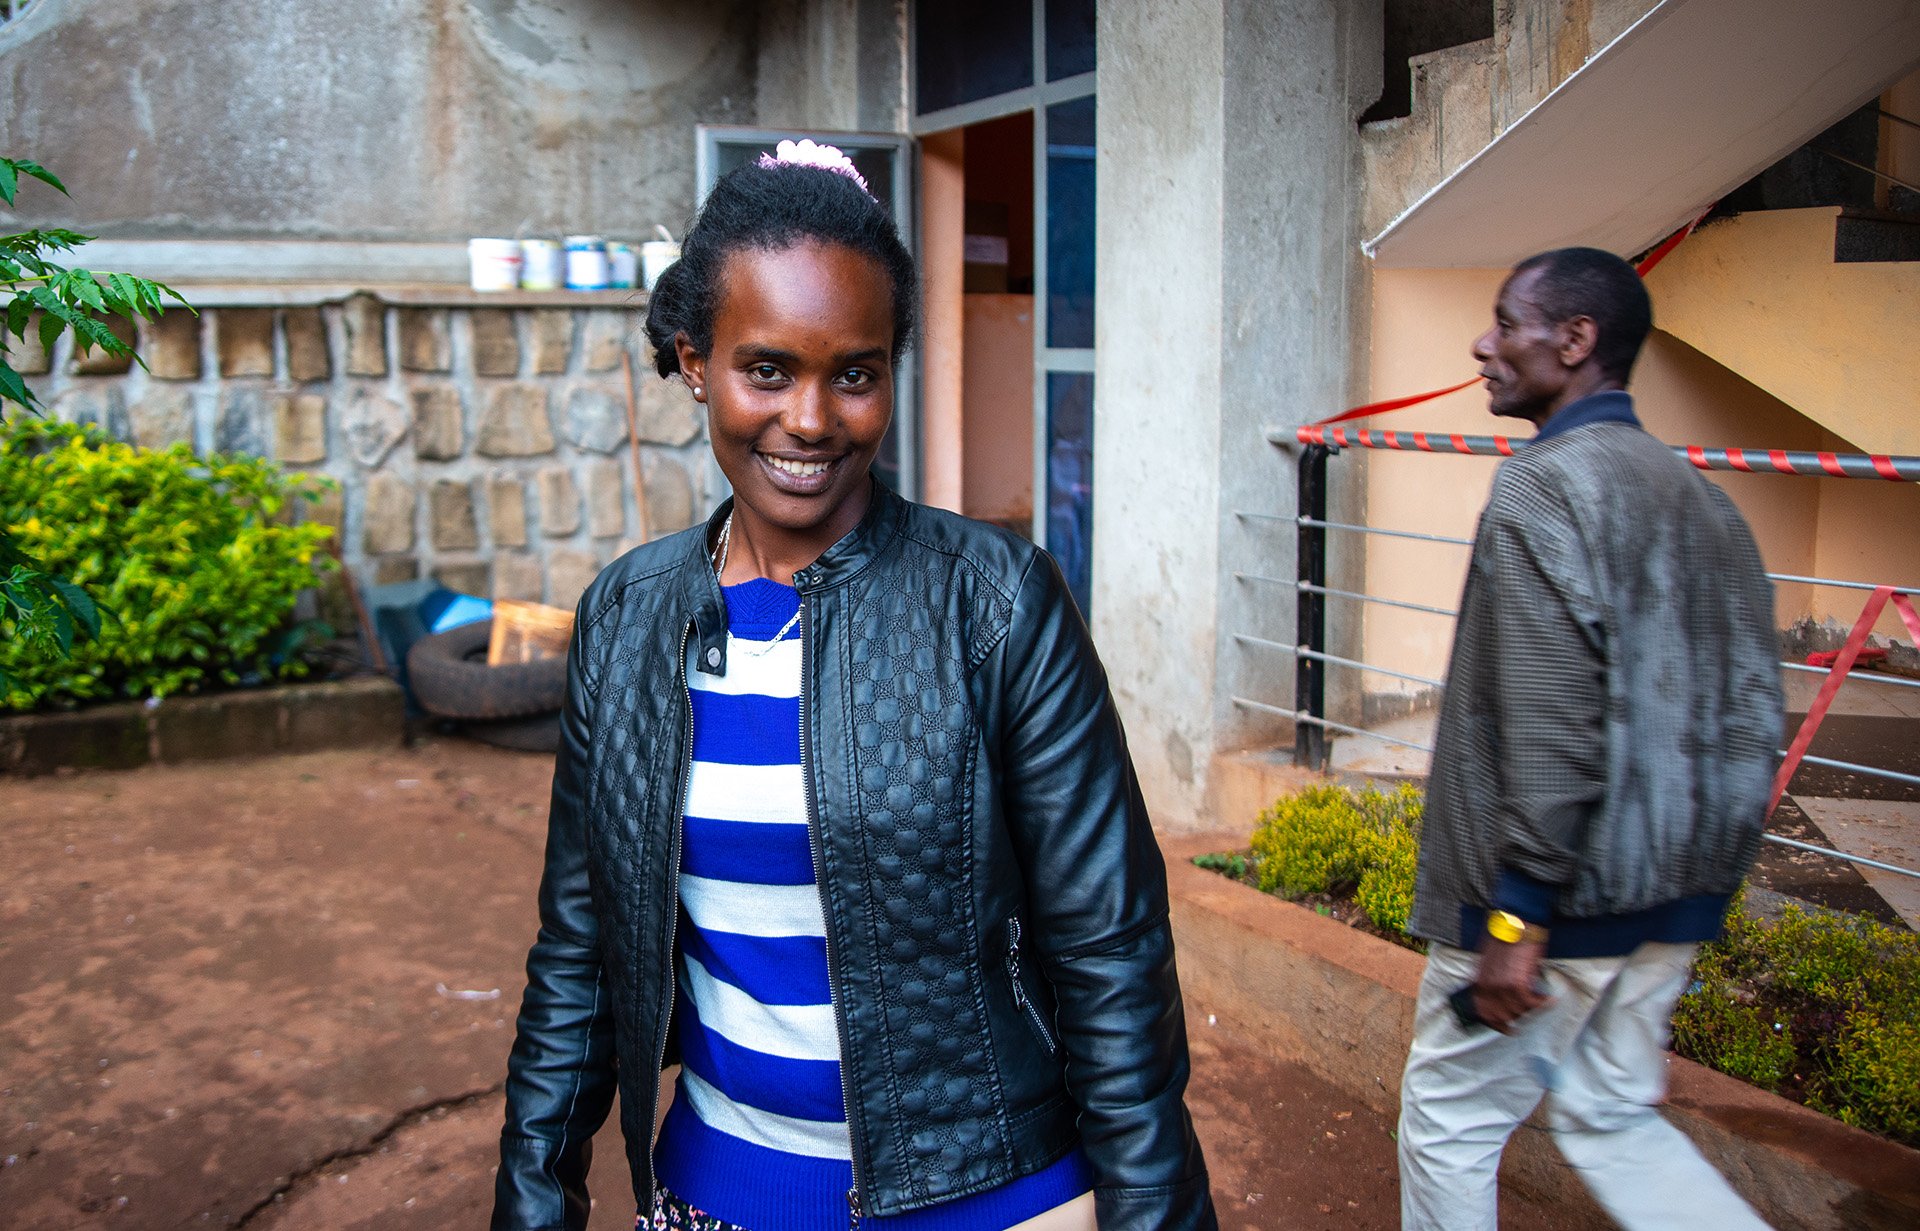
point(1310, 619)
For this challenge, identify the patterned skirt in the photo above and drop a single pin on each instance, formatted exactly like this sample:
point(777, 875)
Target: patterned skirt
point(673, 1214)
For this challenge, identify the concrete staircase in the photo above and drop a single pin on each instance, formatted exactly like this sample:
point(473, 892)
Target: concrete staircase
point(1464, 97)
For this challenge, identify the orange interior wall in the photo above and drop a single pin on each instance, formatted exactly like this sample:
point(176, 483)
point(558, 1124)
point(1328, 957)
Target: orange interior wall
point(999, 407)
point(942, 257)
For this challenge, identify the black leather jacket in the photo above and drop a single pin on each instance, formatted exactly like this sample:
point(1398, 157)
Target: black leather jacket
point(996, 905)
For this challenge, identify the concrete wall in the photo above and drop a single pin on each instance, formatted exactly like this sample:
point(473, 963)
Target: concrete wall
point(1228, 186)
point(418, 119)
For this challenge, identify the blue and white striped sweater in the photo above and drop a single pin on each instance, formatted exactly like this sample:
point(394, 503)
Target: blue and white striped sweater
point(757, 1133)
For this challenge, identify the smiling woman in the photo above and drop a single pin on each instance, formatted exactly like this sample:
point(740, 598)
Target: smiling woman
point(843, 820)
point(799, 393)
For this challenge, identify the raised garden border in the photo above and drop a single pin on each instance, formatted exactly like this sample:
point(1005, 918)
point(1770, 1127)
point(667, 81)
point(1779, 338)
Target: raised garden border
point(360, 712)
point(1318, 992)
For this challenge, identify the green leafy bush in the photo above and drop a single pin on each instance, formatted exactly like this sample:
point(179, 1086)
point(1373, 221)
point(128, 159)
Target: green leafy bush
point(188, 556)
point(1328, 839)
point(1841, 995)
point(1718, 1025)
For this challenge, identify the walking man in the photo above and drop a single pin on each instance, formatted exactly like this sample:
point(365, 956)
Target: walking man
point(1599, 782)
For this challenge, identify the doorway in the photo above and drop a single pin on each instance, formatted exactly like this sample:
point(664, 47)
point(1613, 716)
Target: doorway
point(1004, 110)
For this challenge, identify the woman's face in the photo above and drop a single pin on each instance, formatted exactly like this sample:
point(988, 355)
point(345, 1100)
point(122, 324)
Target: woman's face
point(799, 385)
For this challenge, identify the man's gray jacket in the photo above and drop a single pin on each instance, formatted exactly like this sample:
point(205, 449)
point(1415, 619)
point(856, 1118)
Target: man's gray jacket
point(1613, 707)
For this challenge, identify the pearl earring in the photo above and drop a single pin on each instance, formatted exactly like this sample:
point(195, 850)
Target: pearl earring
point(697, 391)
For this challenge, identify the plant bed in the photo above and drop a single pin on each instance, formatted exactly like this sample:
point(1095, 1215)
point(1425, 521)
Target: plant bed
point(1816, 1005)
point(360, 712)
point(1308, 988)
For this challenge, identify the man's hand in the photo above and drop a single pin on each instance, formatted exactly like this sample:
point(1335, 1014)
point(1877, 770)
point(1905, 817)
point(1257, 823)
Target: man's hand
point(1507, 985)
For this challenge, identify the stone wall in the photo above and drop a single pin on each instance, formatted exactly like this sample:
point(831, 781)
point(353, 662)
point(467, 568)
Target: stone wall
point(484, 446)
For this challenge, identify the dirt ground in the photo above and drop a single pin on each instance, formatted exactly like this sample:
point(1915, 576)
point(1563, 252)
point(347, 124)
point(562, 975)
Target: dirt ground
point(279, 994)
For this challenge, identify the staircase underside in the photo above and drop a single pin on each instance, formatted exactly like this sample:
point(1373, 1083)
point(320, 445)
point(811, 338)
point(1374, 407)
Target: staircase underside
point(1837, 341)
point(1691, 101)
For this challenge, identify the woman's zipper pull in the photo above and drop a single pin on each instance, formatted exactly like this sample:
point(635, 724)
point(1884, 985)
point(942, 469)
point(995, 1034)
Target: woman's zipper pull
point(853, 1208)
point(1013, 963)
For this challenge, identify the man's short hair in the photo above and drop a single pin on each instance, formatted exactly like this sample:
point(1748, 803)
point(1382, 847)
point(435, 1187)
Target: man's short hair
point(1592, 283)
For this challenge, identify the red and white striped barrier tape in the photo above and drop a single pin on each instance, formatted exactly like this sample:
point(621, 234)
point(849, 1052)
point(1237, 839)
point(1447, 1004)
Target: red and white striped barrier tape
point(1896, 469)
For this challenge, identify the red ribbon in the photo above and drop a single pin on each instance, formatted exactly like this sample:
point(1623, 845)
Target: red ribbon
point(1843, 663)
point(1381, 408)
point(1669, 244)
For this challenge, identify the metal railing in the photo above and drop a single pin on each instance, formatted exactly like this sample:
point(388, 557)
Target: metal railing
point(1309, 648)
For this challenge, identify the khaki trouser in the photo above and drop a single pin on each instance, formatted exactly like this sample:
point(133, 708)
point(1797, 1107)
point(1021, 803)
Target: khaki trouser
point(1597, 1053)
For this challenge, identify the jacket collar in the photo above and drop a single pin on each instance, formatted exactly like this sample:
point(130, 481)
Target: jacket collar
point(840, 563)
point(1606, 406)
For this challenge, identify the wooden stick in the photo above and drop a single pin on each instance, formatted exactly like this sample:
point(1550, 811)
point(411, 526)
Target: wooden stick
point(369, 636)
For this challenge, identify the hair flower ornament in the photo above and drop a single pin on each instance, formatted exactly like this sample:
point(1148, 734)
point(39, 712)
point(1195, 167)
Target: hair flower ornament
point(809, 153)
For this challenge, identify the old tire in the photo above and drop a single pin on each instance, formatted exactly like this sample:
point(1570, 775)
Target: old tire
point(449, 675)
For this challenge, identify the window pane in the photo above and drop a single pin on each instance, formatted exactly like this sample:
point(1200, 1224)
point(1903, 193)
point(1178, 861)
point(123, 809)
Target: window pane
point(1070, 480)
point(1069, 38)
point(964, 52)
point(1070, 203)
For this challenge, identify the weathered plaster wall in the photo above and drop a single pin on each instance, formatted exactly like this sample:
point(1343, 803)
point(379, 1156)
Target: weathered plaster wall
point(1157, 382)
point(1226, 258)
point(836, 64)
point(417, 119)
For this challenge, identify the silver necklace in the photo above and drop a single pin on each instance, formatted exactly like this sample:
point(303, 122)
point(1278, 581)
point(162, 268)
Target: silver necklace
point(720, 570)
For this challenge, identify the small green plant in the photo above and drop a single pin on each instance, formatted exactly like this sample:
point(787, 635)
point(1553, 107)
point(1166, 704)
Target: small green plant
point(1816, 999)
point(1328, 839)
point(1717, 1024)
point(53, 299)
point(191, 553)
point(1231, 863)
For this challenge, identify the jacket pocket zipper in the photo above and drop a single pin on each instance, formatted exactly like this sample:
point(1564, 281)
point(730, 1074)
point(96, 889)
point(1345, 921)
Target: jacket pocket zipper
point(1020, 996)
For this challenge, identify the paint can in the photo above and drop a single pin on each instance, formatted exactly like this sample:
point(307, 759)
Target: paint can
point(540, 268)
point(586, 263)
point(655, 256)
point(493, 264)
point(623, 265)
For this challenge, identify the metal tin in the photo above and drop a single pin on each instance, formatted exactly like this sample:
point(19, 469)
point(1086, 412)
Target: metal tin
point(540, 265)
point(586, 263)
point(623, 265)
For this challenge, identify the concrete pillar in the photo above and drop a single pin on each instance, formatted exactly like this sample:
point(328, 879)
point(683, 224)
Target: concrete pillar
point(831, 64)
point(1227, 266)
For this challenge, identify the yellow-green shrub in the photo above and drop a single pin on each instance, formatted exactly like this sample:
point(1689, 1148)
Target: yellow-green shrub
point(1329, 839)
point(186, 554)
point(1837, 995)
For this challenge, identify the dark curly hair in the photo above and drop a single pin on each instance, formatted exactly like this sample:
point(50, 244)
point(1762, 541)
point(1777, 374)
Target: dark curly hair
point(772, 207)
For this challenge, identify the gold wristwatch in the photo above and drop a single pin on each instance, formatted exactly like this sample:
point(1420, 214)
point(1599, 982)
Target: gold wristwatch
point(1510, 929)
